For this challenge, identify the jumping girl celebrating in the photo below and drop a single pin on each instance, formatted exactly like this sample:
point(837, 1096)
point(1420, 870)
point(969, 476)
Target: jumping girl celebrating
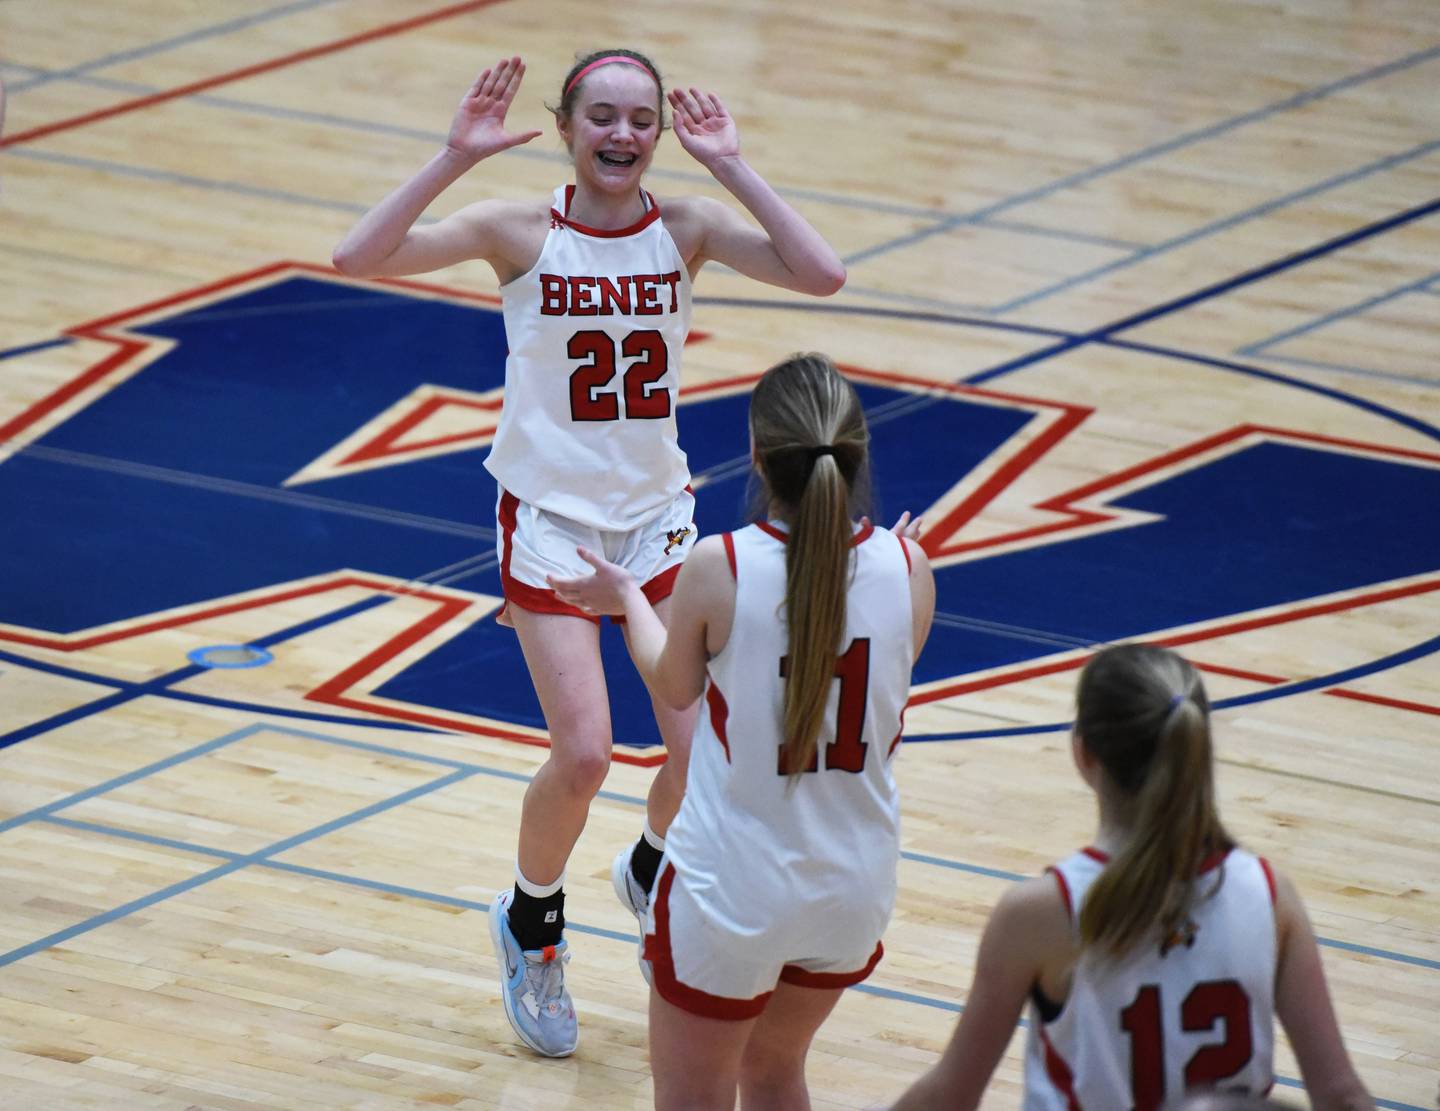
point(595, 284)
point(1156, 960)
point(780, 870)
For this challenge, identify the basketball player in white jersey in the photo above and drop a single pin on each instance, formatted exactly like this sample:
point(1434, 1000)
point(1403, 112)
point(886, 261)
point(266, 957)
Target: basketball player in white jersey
point(595, 282)
point(779, 871)
point(1156, 960)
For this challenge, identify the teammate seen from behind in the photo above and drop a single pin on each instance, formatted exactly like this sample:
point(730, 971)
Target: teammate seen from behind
point(779, 871)
point(595, 284)
point(1156, 960)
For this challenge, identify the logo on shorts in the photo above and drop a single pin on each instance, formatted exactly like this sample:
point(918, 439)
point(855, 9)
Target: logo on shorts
point(676, 536)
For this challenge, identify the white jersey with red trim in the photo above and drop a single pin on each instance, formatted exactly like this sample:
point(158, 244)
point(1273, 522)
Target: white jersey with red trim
point(595, 330)
point(814, 864)
point(1194, 1011)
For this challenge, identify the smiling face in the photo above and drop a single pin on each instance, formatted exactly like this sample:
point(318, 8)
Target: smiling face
point(612, 129)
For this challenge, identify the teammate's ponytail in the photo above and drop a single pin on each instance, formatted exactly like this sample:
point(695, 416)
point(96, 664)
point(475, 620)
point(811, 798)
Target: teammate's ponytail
point(1142, 712)
point(813, 450)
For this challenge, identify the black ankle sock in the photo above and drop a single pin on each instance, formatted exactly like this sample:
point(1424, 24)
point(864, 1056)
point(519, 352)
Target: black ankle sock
point(537, 923)
point(644, 863)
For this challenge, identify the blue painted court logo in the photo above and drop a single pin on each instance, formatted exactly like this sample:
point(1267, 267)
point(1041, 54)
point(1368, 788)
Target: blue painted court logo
point(288, 434)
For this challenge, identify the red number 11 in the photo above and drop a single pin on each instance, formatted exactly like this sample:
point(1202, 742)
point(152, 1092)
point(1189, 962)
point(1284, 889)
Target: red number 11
point(846, 753)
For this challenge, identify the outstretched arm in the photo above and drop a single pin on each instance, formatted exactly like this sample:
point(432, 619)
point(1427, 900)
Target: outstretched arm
point(788, 252)
point(1302, 1003)
point(670, 660)
point(384, 243)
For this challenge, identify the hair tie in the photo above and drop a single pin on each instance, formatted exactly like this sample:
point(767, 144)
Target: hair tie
point(598, 62)
point(822, 449)
point(1175, 700)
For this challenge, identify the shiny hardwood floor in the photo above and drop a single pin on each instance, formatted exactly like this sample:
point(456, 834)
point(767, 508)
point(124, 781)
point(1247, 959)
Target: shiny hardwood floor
point(1163, 231)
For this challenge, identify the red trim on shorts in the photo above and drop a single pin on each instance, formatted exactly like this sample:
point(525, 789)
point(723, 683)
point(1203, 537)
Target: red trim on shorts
point(719, 714)
point(662, 965)
point(804, 978)
point(905, 550)
point(729, 542)
point(536, 599)
point(651, 215)
point(1064, 892)
point(1059, 1072)
point(656, 590)
point(1269, 877)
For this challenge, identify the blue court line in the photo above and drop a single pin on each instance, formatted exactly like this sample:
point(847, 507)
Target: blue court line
point(1358, 371)
point(286, 496)
point(297, 715)
point(284, 845)
point(1405, 419)
point(64, 672)
point(1270, 269)
point(48, 812)
point(131, 776)
point(484, 907)
point(456, 901)
point(1188, 138)
point(207, 700)
point(1286, 690)
point(1106, 332)
point(945, 220)
point(1339, 314)
point(26, 349)
point(198, 35)
point(890, 314)
point(189, 180)
point(1044, 232)
point(1213, 228)
point(960, 866)
point(131, 691)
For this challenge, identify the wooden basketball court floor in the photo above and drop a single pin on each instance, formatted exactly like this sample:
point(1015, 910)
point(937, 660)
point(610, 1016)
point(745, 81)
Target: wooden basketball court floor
point(1145, 301)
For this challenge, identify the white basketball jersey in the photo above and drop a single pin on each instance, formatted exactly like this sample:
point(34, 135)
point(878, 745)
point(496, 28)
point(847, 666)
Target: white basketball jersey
point(595, 330)
point(1192, 1012)
point(750, 849)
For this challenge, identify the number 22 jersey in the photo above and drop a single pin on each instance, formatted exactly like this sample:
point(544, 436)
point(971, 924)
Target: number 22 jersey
point(1195, 1010)
point(595, 330)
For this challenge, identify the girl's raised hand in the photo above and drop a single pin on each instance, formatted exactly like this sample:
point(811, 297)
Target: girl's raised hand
point(478, 129)
point(703, 127)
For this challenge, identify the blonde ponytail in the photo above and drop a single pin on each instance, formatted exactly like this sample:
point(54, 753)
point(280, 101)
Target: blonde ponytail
point(812, 445)
point(1143, 713)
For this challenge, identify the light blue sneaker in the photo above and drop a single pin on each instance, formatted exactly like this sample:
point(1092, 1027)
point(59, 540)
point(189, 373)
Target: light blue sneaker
point(532, 984)
point(633, 898)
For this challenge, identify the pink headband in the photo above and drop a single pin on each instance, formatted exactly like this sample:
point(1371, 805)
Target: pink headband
point(598, 62)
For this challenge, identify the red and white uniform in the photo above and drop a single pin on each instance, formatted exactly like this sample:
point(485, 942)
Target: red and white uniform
point(1193, 1012)
point(595, 330)
point(763, 881)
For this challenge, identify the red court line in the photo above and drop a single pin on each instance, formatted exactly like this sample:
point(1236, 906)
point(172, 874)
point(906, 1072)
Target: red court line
point(1381, 700)
point(1299, 613)
point(248, 71)
point(1333, 692)
point(128, 349)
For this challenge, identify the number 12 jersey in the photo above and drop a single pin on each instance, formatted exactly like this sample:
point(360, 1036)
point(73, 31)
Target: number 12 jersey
point(1195, 1010)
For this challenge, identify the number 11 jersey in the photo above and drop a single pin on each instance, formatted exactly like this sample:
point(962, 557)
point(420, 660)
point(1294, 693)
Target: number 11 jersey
point(595, 330)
